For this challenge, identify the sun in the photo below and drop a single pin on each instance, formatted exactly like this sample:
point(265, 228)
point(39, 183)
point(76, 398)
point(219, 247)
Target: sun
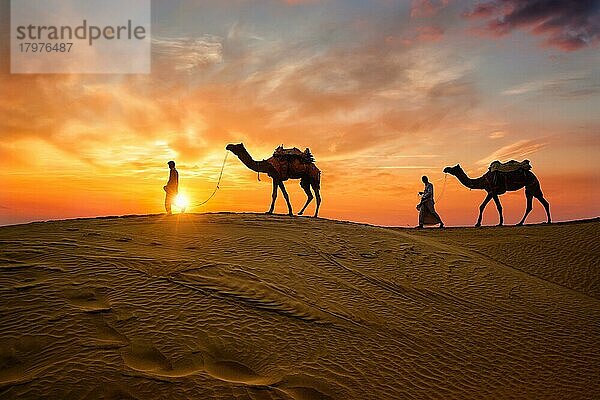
point(182, 202)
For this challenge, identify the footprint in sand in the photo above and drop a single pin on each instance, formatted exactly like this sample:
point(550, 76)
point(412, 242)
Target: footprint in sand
point(148, 360)
point(87, 300)
point(303, 387)
point(105, 336)
point(234, 371)
point(125, 314)
point(144, 357)
point(36, 279)
point(368, 255)
point(92, 234)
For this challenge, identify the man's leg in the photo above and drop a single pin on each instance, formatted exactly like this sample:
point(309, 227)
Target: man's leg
point(168, 201)
point(431, 209)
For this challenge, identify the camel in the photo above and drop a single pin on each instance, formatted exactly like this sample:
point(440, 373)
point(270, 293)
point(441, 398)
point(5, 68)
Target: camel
point(500, 184)
point(308, 173)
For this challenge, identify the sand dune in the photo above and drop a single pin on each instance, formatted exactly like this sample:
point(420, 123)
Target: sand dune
point(247, 306)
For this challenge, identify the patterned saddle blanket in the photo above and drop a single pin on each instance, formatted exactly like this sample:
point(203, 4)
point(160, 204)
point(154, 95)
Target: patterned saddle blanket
point(510, 166)
point(304, 156)
point(291, 163)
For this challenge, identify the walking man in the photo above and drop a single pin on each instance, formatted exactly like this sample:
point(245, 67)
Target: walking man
point(172, 187)
point(427, 214)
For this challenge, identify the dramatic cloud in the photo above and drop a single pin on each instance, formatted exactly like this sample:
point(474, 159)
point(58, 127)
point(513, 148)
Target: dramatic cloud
point(188, 53)
point(574, 87)
point(565, 24)
point(515, 151)
point(207, 91)
point(381, 99)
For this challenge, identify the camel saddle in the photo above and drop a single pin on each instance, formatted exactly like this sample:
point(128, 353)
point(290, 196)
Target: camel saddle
point(304, 156)
point(287, 160)
point(509, 166)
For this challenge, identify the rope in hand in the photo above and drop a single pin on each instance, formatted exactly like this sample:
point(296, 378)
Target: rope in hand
point(216, 187)
point(437, 198)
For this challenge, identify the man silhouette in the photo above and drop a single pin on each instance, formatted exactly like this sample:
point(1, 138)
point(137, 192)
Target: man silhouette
point(172, 186)
point(427, 214)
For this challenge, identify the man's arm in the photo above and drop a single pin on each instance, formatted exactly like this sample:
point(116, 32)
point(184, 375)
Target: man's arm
point(428, 192)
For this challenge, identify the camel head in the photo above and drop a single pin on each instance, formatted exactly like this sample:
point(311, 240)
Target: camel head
point(235, 148)
point(452, 170)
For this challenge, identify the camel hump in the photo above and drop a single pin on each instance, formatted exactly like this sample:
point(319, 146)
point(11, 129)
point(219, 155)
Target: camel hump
point(304, 156)
point(510, 166)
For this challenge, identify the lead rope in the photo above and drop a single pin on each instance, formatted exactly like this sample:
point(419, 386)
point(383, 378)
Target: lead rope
point(443, 189)
point(216, 187)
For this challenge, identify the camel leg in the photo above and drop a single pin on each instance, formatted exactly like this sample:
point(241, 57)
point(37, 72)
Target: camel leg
point(542, 200)
point(318, 196)
point(306, 187)
point(499, 207)
point(529, 196)
point(273, 197)
point(286, 197)
point(482, 207)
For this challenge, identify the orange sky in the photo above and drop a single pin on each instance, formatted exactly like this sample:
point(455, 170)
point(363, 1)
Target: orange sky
point(381, 95)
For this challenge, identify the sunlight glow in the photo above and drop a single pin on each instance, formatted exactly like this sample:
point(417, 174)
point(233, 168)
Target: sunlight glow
point(182, 202)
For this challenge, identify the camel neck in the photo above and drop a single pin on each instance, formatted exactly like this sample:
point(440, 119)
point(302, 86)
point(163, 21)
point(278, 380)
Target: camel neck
point(256, 166)
point(468, 182)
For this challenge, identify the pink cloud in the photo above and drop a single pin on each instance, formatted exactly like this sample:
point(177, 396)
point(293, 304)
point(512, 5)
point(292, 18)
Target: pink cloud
point(426, 8)
point(566, 25)
point(429, 33)
point(423, 34)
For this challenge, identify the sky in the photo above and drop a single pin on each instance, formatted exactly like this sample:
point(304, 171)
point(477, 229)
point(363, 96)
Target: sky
point(381, 91)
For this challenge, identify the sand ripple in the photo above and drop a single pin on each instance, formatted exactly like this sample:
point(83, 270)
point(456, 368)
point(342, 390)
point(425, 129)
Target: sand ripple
point(253, 307)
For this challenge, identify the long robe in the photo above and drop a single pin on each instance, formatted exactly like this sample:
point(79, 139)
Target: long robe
point(171, 189)
point(427, 213)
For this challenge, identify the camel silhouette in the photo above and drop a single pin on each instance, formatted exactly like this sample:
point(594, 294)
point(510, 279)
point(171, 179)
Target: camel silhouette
point(295, 168)
point(497, 183)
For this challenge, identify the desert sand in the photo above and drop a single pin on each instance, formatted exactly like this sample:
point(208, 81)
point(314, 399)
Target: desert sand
point(247, 306)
